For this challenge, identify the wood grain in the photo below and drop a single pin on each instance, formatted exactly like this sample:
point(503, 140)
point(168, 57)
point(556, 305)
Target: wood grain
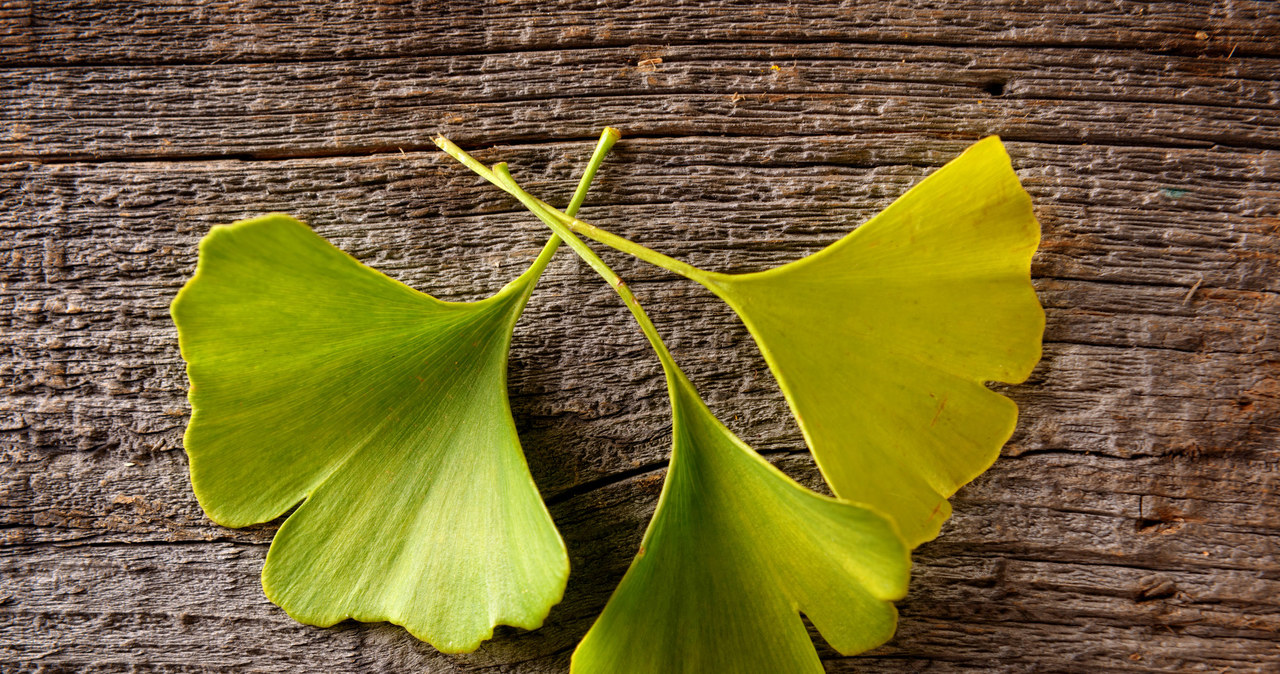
point(1132, 525)
point(292, 109)
point(73, 32)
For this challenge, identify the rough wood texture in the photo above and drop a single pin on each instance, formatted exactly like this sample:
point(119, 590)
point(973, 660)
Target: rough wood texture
point(1132, 525)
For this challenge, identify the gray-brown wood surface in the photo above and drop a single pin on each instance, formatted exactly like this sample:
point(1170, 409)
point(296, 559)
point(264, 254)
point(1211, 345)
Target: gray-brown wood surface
point(1132, 524)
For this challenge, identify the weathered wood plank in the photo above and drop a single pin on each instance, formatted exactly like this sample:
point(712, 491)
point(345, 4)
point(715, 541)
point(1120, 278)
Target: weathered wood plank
point(826, 68)
point(291, 109)
point(1148, 436)
point(128, 31)
point(1133, 524)
point(1002, 587)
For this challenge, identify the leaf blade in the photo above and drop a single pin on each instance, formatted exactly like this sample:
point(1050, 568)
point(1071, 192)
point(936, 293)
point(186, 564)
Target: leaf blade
point(882, 341)
point(734, 550)
point(317, 378)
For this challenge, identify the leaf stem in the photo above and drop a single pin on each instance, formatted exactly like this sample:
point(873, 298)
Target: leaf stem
point(586, 229)
point(607, 138)
point(632, 248)
point(500, 176)
point(584, 251)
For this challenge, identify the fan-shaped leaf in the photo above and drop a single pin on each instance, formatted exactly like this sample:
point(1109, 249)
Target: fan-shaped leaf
point(384, 410)
point(882, 341)
point(733, 552)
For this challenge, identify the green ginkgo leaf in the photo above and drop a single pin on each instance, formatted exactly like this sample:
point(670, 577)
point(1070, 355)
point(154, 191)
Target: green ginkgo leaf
point(315, 377)
point(736, 550)
point(882, 342)
point(733, 551)
point(384, 411)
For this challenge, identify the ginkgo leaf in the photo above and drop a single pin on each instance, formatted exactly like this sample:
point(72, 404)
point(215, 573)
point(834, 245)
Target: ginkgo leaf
point(734, 550)
point(882, 341)
point(315, 377)
point(384, 411)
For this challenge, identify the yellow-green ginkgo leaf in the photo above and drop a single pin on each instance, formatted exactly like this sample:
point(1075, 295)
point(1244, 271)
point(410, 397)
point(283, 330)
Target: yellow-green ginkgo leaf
point(734, 551)
point(384, 410)
point(882, 342)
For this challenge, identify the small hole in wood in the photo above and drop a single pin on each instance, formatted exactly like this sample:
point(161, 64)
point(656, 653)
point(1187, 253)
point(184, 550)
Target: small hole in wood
point(995, 88)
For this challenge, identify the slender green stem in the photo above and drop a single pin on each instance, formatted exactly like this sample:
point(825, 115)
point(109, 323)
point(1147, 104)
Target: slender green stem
point(607, 138)
point(627, 245)
point(584, 228)
point(502, 177)
point(558, 222)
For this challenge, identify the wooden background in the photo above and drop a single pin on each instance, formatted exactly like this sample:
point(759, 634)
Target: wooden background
point(1133, 523)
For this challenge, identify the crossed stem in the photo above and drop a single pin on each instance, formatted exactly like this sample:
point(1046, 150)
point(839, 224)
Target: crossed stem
point(607, 138)
point(565, 225)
